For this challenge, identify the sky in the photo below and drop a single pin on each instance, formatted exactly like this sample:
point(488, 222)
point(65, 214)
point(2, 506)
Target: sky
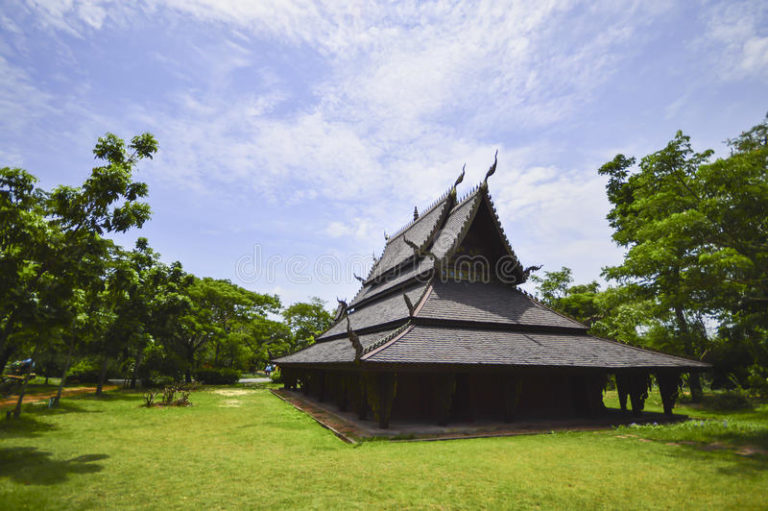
point(294, 133)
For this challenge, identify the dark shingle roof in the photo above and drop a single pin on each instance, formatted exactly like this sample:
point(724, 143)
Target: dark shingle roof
point(450, 234)
point(462, 322)
point(419, 232)
point(490, 303)
point(435, 345)
point(335, 351)
point(408, 272)
point(384, 310)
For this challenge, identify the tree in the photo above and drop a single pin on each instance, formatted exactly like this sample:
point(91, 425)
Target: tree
point(217, 310)
point(307, 320)
point(696, 237)
point(52, 242)
point(577, 301)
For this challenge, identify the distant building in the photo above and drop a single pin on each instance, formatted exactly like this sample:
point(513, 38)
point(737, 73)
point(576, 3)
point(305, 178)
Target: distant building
point(440, 331)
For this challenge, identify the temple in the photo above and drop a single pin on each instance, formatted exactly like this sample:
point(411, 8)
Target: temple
point(440, 331)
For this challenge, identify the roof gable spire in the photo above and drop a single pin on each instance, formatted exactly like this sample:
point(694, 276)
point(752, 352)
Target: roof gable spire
point(492, 170)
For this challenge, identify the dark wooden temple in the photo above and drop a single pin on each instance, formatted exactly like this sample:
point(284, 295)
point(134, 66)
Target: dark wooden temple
point(440, 331)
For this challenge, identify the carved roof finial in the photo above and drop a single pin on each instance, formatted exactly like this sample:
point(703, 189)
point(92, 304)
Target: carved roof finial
point(386, 236)
point(527, 272)
point(408, 304)
point(413, 245)
point(341, 311)
point(461, 176)
point(415, 213)
point(358, 277)
point(355, 340)
point(375, 259)
point(491, 170)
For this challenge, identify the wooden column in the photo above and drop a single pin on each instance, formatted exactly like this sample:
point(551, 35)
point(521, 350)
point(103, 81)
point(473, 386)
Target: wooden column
point(306, 381)
point(320, 389)
point(512, 386)
point(443, 387)
point(594, 387)
point(622, 388)
point(669, 384)
point(381, 389)
point(342, 391)
point(357, 395)
point(638, 391)
point(290, 377)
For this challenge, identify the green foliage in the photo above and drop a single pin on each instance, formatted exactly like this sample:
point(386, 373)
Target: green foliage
point(55, 456)
point(729, 400)
point(276, 376)
point(577, 301)
point(307, 320)
point(696, 240)
point(214, 376)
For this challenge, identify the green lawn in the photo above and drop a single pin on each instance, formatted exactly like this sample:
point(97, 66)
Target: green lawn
point(254, 451)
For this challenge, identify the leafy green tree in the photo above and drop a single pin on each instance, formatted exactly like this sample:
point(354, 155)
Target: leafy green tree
point(696, 237)
point(217, 311)
point(579, 301)
point(307, 320)
point(53, 245)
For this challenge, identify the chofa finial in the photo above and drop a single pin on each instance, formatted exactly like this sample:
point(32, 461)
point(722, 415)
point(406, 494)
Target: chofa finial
point(341, 311)
point(355, 340)
point(408, 304)
point(461, 176)
point(492, 170)
point(386, 236)
point(415, 213)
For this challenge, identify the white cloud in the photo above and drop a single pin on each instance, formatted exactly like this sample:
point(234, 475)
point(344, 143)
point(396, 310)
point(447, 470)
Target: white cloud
point(739, 32)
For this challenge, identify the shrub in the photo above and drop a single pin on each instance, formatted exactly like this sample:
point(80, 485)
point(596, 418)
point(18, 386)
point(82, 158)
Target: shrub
point(731, 400)
point(276, 377)
point(223, 376)
point(85, 371)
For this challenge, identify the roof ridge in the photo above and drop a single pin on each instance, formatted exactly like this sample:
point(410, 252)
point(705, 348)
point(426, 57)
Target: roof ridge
point(652, 350)
point(392, 336)
point(542, 304)
point(465, 224)
point(410, 224)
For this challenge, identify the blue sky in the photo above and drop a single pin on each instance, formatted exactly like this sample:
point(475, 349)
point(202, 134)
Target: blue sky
point(293, 134)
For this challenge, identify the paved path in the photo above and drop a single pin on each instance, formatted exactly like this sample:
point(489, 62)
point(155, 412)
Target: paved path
point(254, 380)
point(68, 391)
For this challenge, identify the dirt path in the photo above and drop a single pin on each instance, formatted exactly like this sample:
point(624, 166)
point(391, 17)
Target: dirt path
point(69, 391)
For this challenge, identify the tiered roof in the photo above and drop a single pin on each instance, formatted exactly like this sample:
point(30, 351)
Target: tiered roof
point(409, 311)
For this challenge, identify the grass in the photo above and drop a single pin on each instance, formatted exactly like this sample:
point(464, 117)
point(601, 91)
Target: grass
point(250, 450)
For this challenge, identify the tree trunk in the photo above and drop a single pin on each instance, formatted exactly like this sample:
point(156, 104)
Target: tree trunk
point(56, 399)
point(694, 383)
point(102, 375)
point(17, 410)
point(5, 355)
point(139, 360)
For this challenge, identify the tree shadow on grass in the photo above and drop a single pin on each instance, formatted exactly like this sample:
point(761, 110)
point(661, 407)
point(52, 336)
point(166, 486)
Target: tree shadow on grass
point(26, 426)
point(27, 465)
point(732, 463)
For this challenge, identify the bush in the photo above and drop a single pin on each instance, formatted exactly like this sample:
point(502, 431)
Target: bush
point(731, 400)
point(224, 376)
point(85, 371)
point(276, 377)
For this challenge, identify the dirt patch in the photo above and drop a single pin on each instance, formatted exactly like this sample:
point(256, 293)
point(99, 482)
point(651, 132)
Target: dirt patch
point(68, 391)
point(232, 392)
point(231, 403)
point(751, 450)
